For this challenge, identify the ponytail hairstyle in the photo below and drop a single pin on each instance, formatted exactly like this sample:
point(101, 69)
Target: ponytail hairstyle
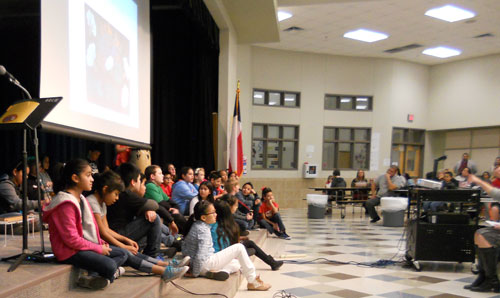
point(265, 190)
point(72, 167)
point(110, 179)
point(201, 209)
point(227, 229)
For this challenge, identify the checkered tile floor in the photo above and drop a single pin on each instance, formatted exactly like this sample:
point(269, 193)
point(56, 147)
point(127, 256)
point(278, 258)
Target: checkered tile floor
point(353, 239)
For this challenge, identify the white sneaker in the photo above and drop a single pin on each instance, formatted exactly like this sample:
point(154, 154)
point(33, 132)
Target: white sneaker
point(119, 272)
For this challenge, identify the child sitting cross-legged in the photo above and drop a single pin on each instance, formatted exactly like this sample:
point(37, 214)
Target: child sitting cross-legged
point(108, 186)
point(204, 261)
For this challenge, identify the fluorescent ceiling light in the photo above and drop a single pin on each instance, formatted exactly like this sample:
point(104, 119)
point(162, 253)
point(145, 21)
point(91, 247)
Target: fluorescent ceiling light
point(362, 99)
point(283, 15)
point(365, 35)
point(361, 107)
point(345, 100)
point(272, 103)
point(442, 52)
point(257, 95)
point(450, 13)
point(289, 98)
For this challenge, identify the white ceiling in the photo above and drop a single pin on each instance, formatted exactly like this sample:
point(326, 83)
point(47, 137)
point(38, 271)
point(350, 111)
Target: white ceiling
point(326, 21)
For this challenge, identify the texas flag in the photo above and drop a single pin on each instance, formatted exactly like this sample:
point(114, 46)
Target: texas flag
point(236, 143)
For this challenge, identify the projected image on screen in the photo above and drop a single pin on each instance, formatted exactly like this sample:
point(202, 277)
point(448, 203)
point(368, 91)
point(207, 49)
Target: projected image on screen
point(103, 60)
point(96, 55)
point(108, 66)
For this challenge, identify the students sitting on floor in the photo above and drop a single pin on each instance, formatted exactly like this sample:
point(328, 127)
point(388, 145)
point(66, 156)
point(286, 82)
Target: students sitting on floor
point(107, 188)
point(134, 216)
point(271, 218)
point(183, 190)
point(170, 214)
point(250, 195)
point(74, 235)
point(10, 191)
point(198, 244)
point(224, 177)
point(244, 216)
point(166, 186)
point(386, 184)
point(225, 232)
point(199, 177)
point(205, 192)
point(216, 181)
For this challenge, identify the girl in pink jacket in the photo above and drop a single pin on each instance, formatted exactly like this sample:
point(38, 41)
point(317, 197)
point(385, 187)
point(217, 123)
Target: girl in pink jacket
point(74, 234)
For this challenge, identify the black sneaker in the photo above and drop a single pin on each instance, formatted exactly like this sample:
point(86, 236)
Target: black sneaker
point(92, 282)
point(375, 219)
point(220, 276)
point(168, 252)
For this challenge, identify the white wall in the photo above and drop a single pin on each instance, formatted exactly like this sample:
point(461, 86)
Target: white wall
point(465, 94)
point(398, 88)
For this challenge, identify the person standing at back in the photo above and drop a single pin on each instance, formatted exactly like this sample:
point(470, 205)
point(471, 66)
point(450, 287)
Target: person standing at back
point(465, 162)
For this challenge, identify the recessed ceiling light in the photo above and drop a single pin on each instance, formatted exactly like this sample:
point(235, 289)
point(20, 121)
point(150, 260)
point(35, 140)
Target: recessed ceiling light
point(365, 35)
point(257, 95)
point(289, 99)
point(450, 13)
point(283, 15)
point(362, 99)
point(442, 52)
point(344, 100)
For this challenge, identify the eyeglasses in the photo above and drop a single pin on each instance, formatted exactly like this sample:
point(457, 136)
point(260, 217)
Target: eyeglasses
point(211, 213)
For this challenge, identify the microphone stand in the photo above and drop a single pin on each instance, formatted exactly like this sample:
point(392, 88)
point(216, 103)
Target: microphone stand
point(40, 256)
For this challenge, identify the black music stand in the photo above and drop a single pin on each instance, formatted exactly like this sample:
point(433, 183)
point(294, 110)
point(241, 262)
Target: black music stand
point(24, 115)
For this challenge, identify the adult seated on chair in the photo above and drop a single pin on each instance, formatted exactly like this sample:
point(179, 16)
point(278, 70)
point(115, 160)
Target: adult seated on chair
point(463, 179)
point(487, 241)
point(386, 184)
point(336, 195)
point(360, 181)
point(10, 190)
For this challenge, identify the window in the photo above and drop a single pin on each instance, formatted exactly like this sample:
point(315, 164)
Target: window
point(274, 146)
point(276, 98)
point(346, 148)
point(348, 102)
point(407, 150)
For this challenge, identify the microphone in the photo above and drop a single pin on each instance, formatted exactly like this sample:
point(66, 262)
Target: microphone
point(4, 72)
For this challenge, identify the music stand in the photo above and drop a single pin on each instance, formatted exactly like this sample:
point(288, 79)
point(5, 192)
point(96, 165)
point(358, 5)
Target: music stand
point(28, 114)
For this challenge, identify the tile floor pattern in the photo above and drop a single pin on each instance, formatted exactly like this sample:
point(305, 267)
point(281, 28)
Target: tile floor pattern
point(353, 239)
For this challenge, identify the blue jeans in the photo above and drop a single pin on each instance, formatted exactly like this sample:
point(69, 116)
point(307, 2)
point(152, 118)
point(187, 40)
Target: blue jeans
point(105, 266)
point(166, 237)
point(276, 218)
point(139, 228)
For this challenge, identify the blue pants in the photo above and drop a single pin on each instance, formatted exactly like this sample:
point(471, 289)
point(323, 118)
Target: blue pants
point(105, 266)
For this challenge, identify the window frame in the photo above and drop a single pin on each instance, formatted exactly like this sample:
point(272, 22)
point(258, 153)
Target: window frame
point(282, 98)
point(352, 142)
point(353, 104)
point(280, 141)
